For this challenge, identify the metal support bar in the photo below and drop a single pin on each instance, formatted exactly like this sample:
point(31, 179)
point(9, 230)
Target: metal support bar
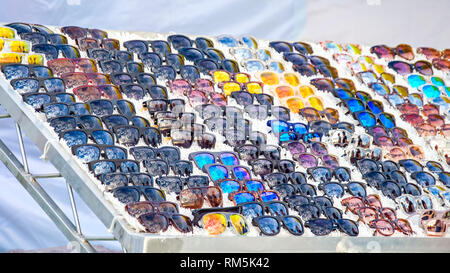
point(5, 116)
point(42, 198)
point(47, 175)
point(94, 238)
point(74, 208)
point(22, 149)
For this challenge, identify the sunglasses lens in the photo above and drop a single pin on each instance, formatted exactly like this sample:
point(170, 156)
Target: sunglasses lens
point(269, 225)
point(104, 167)
point(154, 222)
point(204, 159)
point(424, 179)
point(241, 173)
point(139, 208)
point(126, 195)
point(384, 227)
point(75, 138)
point(390, 189)
point(218, 172)
point(239, 224)
point(348, 227)
point(191, 198)
point(333, 190)
point(321, 174)
point(320, 227)
point(214, 223)
point(24, 86)
point(267, 196)
point(252, 210)
point(229, 186)
point(254, 185)
point(296, 148)
point(141, 180)
point(411, 166)
point(367, 119)
point(182, 223)
point(306, 160)
point(277, 209)
point(88, 153)
point(154, 195)
point(248, 152)
point(342, 174)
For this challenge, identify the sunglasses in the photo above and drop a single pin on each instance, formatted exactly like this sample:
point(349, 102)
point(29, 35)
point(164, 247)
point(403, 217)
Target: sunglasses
point(280, 126)
point(336, 189)
point(185, 137)
point(404, 68)
point(33, 85)
point(90, 152)
point(142, 78)
point(435, 222)
point(217, 172)
point(323, 227)
point(75, 32)
point(324, 127)
point(248, 152)
point(411, 204)
point(17, 71)
point(103, 166)
point(216, 223)
point(276, 178)
point(245, 98)
point(139, 208)
point(312, 114)
point(167, 153)
point(160, 167)
point(193, 198)
point(324, 174)
point(262, 112)
point(271, 225)
point(264, 166)
point(52, 52)
point(402, 50)
point(240, 197)
point(104, 107)
point(293, 136)
point(129, 135)
point(388, 227)
point(58, 109)
point(205, 157)
point(75, 79)
point(112, 181)
point(156, 222)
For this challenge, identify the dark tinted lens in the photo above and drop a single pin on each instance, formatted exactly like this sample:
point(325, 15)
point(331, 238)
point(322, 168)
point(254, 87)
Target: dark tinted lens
point(390, 189)
point(154, 195)
point(156, 167)
point(103, 167)
point(293, 224)
point(141, 179)
point(321, 174)
point(347, 226)
point(126, 195)
point(114, 180)
point(277, 209)
point(269, 225)
point(273, 179)
point(170, 183)
point(320, 227)
point(103, 137)
point(154, 222)
point(73, 138)
point(252, 210)
point(87, 153)
point(333, 190)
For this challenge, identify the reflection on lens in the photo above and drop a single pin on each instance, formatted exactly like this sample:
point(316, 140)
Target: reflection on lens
point(239, 224)
point(214, 223)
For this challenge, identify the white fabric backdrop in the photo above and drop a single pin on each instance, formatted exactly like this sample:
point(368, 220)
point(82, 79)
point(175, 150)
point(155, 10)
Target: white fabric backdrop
point(24, 225)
